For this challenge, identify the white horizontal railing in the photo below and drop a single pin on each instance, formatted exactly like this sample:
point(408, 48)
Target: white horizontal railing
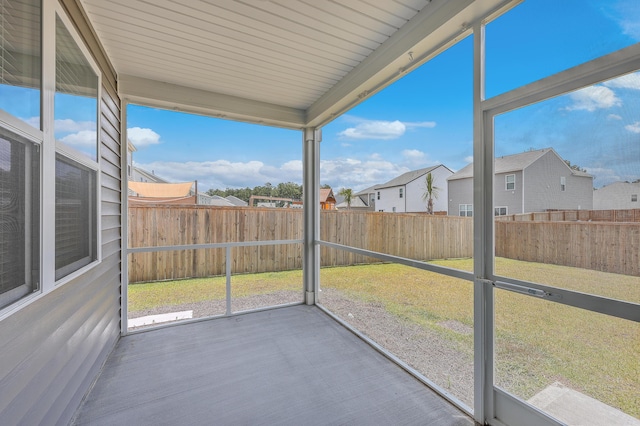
point(227, 246)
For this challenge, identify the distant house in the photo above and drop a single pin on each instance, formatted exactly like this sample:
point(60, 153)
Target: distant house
point(236, 201)
point(405, 193)
point(327, 199)
point(532, 181)
point(364, 200)
point(617, 196)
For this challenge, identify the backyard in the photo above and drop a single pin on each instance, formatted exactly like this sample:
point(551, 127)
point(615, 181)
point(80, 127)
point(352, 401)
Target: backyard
point(426, 319)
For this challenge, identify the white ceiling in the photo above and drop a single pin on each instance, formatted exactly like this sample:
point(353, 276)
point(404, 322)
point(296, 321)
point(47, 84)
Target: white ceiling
point(291, 63)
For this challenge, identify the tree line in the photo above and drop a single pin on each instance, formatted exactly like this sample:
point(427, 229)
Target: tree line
point(282, 190)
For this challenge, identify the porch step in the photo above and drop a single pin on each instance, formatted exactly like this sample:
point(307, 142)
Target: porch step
point(575, 408)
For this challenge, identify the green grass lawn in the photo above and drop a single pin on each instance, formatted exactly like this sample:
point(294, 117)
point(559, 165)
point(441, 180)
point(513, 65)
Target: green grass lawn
point(145, 296)
point(537, 341)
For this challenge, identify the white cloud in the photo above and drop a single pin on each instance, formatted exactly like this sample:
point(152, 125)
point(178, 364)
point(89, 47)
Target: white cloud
point(592, 98)
point(356, 174)
point(603, 176)
point(613, 117)
point(223, 174)
point(634, 128)
point(628, 81)
point(468, 159)
point(413, 154)
point(67, 125)
point(32, 121)
point(375, 130)
point(82, 138)
point(381, 129)
point(416, 158)
point(628, 17)
point(142, 137)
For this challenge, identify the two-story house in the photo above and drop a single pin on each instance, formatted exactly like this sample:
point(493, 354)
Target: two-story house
point(405, 193)
point(533, 181)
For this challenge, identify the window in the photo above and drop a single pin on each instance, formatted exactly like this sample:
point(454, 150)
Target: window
point(466, 210)
point(378, 195)
point(394, 209)
point(500, 211)
point(75, 216)
point(400, 192)
point(20, 59)
point(19, 217)
point(634, 198)
point(510, 182)
point(76, 116)
point(563, 183)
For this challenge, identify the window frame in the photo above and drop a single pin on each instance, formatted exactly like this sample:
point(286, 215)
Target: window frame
point(466, 208)
point(34, 136)
point(496, 208)
point(634, 198)
point(44, 138)
point(378, 195)
point(69, 153)
point(563, 183)
point(506, 182)
point(400, 192)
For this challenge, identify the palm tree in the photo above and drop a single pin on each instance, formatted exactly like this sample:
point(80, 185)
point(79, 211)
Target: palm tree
point(430, 193)
point(347, 193)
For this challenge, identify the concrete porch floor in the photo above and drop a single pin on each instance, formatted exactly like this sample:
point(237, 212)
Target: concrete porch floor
point(292, 365)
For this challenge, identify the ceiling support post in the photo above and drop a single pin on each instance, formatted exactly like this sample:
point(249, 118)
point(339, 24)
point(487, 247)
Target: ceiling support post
point(311, 201)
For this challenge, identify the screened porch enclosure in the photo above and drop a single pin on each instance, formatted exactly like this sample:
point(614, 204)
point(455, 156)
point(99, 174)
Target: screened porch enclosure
point(344, 330)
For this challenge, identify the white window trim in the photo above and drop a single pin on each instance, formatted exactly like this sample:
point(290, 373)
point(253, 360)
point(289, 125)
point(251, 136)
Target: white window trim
point(506, 182)
point(563, 183)
point(45, 138)
point(400, 193)
point(506, 209)
point(76, 156)
point(466, 210)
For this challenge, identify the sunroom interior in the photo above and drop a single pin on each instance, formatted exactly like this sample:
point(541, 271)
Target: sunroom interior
point(68, 354)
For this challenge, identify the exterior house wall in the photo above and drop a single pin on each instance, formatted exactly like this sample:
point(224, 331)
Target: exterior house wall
point(390, 199)
point(417, 188)
point(412, 193)
point(543, 191)
point(537, 188)
point(53, 348)
point(617, 196)
point(460, 191)
point(503, 197)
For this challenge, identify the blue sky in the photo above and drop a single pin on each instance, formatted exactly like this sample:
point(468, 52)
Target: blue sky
point(426, 117)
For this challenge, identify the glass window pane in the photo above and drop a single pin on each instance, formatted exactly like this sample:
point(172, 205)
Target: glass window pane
point(75, 216)
point(76, 99)
point(19, 217)
point(20, 60)
point(539, 38)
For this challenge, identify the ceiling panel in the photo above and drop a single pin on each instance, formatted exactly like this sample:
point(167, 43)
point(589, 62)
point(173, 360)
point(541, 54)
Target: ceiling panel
point(303, 56)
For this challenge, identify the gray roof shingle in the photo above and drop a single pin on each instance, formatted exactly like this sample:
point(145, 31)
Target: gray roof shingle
point(511, 163)
point(405, 178)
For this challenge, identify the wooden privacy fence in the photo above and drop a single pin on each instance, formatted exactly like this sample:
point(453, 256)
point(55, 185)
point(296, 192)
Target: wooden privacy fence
point(609, 247)
point(603, 246)
point(411, 235)
point(416, 236)
point(628, 215)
